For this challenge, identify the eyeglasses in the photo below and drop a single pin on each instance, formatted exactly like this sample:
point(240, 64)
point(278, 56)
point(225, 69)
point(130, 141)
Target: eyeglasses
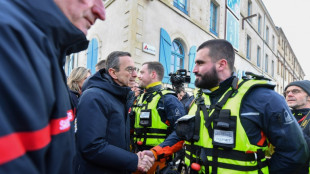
point(294, 92)
point(131, 69)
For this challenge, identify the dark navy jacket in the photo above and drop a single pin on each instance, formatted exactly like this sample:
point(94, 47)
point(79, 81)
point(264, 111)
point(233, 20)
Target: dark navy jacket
point(35, 109)
point(186, 101)
point(103, 127)
point(264, 109)
point(299, 114)
point(74, 98)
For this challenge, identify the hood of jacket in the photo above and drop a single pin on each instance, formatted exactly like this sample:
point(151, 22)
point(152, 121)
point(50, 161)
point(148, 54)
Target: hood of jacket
point(104, 81)
point(47, 16)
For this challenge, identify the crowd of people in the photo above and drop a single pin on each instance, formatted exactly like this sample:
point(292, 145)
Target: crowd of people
point(124, 120)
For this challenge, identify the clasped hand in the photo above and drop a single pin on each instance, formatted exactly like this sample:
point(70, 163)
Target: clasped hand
point(145, 161)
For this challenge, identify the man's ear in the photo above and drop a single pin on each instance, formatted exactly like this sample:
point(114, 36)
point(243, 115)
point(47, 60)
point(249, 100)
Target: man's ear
point(112, 73)
point(153, 75)
point(221, 64)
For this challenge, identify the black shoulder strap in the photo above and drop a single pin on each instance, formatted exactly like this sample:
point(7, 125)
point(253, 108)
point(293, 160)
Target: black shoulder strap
point(305, 122)
point(219, 105)
point(200, 103)
point(216, 112)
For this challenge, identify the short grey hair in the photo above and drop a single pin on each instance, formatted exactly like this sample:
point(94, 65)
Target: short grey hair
point(113, 59)
point(101, 64)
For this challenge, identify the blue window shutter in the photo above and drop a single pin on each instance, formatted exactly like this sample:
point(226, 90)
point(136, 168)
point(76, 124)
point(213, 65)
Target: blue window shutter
point(89, 54)
point(192, 55)
point(70, 64)
point(92, 54)
point(95, 56)
point(165, 53)
point(211, 15)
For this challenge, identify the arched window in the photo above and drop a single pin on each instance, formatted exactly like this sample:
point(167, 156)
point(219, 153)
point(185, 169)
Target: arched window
point(177, 56)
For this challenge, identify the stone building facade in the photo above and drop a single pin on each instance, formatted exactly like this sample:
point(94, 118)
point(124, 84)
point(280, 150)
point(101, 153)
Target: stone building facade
point(170, 31)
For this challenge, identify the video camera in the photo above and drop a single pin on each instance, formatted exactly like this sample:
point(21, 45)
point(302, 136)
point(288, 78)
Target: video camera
point(179, 78)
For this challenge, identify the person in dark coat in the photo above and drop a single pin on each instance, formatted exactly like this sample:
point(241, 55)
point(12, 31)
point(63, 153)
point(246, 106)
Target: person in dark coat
point(184, 97)
point(103, 123)
point(36, 135)
point(297, 95)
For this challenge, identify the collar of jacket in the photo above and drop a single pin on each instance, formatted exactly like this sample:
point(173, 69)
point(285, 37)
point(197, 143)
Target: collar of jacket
point(300, 112)
point(223, 87)
point(154, 88)
point(47, 16)
point(152, 85)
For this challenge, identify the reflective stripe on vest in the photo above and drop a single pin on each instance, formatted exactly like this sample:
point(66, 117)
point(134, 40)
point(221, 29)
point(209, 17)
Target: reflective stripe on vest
point(227, 163)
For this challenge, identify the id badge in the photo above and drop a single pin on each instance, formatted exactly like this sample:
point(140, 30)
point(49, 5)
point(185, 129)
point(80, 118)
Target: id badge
point(145, 118)
point(223, 137)
point(145, 115)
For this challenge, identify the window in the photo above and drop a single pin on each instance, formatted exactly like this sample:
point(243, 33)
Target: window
point(191, 64)
point(177, 56)
point(278, 69)
point(282, 70)
point(248, 47)
point(273, 42)
point(249, 10)
point(70, 64)
point(259, 24)
point(213, 18)
point(272, 68)
point(266, 63)
point(267, 34)
point(258, 56)
point(181, 5)
point(92, 55)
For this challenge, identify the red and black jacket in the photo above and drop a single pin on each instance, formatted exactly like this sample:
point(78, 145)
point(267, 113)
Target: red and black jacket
point(36, 135)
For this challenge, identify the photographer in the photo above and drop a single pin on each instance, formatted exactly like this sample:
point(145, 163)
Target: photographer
point(178, 79)
point(184, 97)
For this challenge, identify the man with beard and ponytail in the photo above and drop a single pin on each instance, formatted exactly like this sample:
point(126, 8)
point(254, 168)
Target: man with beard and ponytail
point(230, 124)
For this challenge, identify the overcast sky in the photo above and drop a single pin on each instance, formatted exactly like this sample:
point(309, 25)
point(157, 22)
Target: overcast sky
point(294, 19)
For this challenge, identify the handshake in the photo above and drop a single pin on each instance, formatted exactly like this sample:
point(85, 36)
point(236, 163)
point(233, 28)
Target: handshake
point(146, 160)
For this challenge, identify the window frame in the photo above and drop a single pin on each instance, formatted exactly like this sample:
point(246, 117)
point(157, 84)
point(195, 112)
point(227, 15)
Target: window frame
point(177, 3)
point(273, 42)
point(272, 68)
point(213, 20)
point(259, 24)
point(248, 47)
point(266, 63)
point(177, 56)
point(250, 10)
point(267, 35)
point(258, 56)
